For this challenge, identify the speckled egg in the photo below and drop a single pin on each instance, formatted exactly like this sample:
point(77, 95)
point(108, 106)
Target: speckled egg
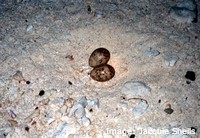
point(102, 73)
point(98, 57)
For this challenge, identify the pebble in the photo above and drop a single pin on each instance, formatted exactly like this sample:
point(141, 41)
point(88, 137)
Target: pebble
point(62, 131)
point(69, 102)
point(58, 115)
point(169, 110)
point(113, 7)
point(77, 110)
point(83, 101)
point(183, 39)
point(99, 14)
point(67, 36)
point(2, 83)
point(197, 55)
point(184, 12)
point(140, 108)
point(13, 123)
point(123, 105)
point(74, 136)
point(170, 59)
point(80, 113)
point(63, 109)
point(183, 56)
point(93, 103)
point(50, 120)
point(18, 76)
point(152, 52)
point(135, 89)
point(1, 14)
point(85, 121)
point(18, 1)
point(29, 27)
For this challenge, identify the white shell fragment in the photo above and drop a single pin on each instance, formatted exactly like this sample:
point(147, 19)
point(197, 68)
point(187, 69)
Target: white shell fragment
point(140, 108)
point(85, 121)
point(123, 105)
point(62, 131)
point(136, 89)
point(83, 101)
point(93, 103)
point(170, 60)
point(79, 113)
point(79, 109)
point(29, 27)
point(152, 52)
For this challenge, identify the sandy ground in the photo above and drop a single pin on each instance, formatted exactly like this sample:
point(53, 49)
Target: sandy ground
point(50, 42)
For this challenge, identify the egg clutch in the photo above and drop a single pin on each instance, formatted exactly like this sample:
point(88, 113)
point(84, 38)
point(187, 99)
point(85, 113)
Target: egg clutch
point(101, 70)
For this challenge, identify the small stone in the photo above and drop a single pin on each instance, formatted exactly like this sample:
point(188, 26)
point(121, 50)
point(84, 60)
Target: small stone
point(83, 101)
point(152, 52)
point(85, 121)
point(93, 103)
point(61, 131)
point(170, 60)
point(77, 110)
point(13, 123)
point(169, 110)
point(183, 56)
point(2, 83)
point(190, 75)
point(197, 55)
point(58, 115)
point(113, 7)
point(185, 11)
point(50, 120)
point(123, 105)
point(136, 89)
point(29, 27)
point(69, 102)
point(99, 14)
point(17, 1)
point(80, 112)
point(140, 108)
point(73, 136)
point(67, 36)
point(63, 109)
point(12, 114)
point(183, 39)
point(18, 76)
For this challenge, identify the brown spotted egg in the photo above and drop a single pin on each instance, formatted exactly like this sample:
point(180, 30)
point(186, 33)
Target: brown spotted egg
point(98, 57)
point(102, 73)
